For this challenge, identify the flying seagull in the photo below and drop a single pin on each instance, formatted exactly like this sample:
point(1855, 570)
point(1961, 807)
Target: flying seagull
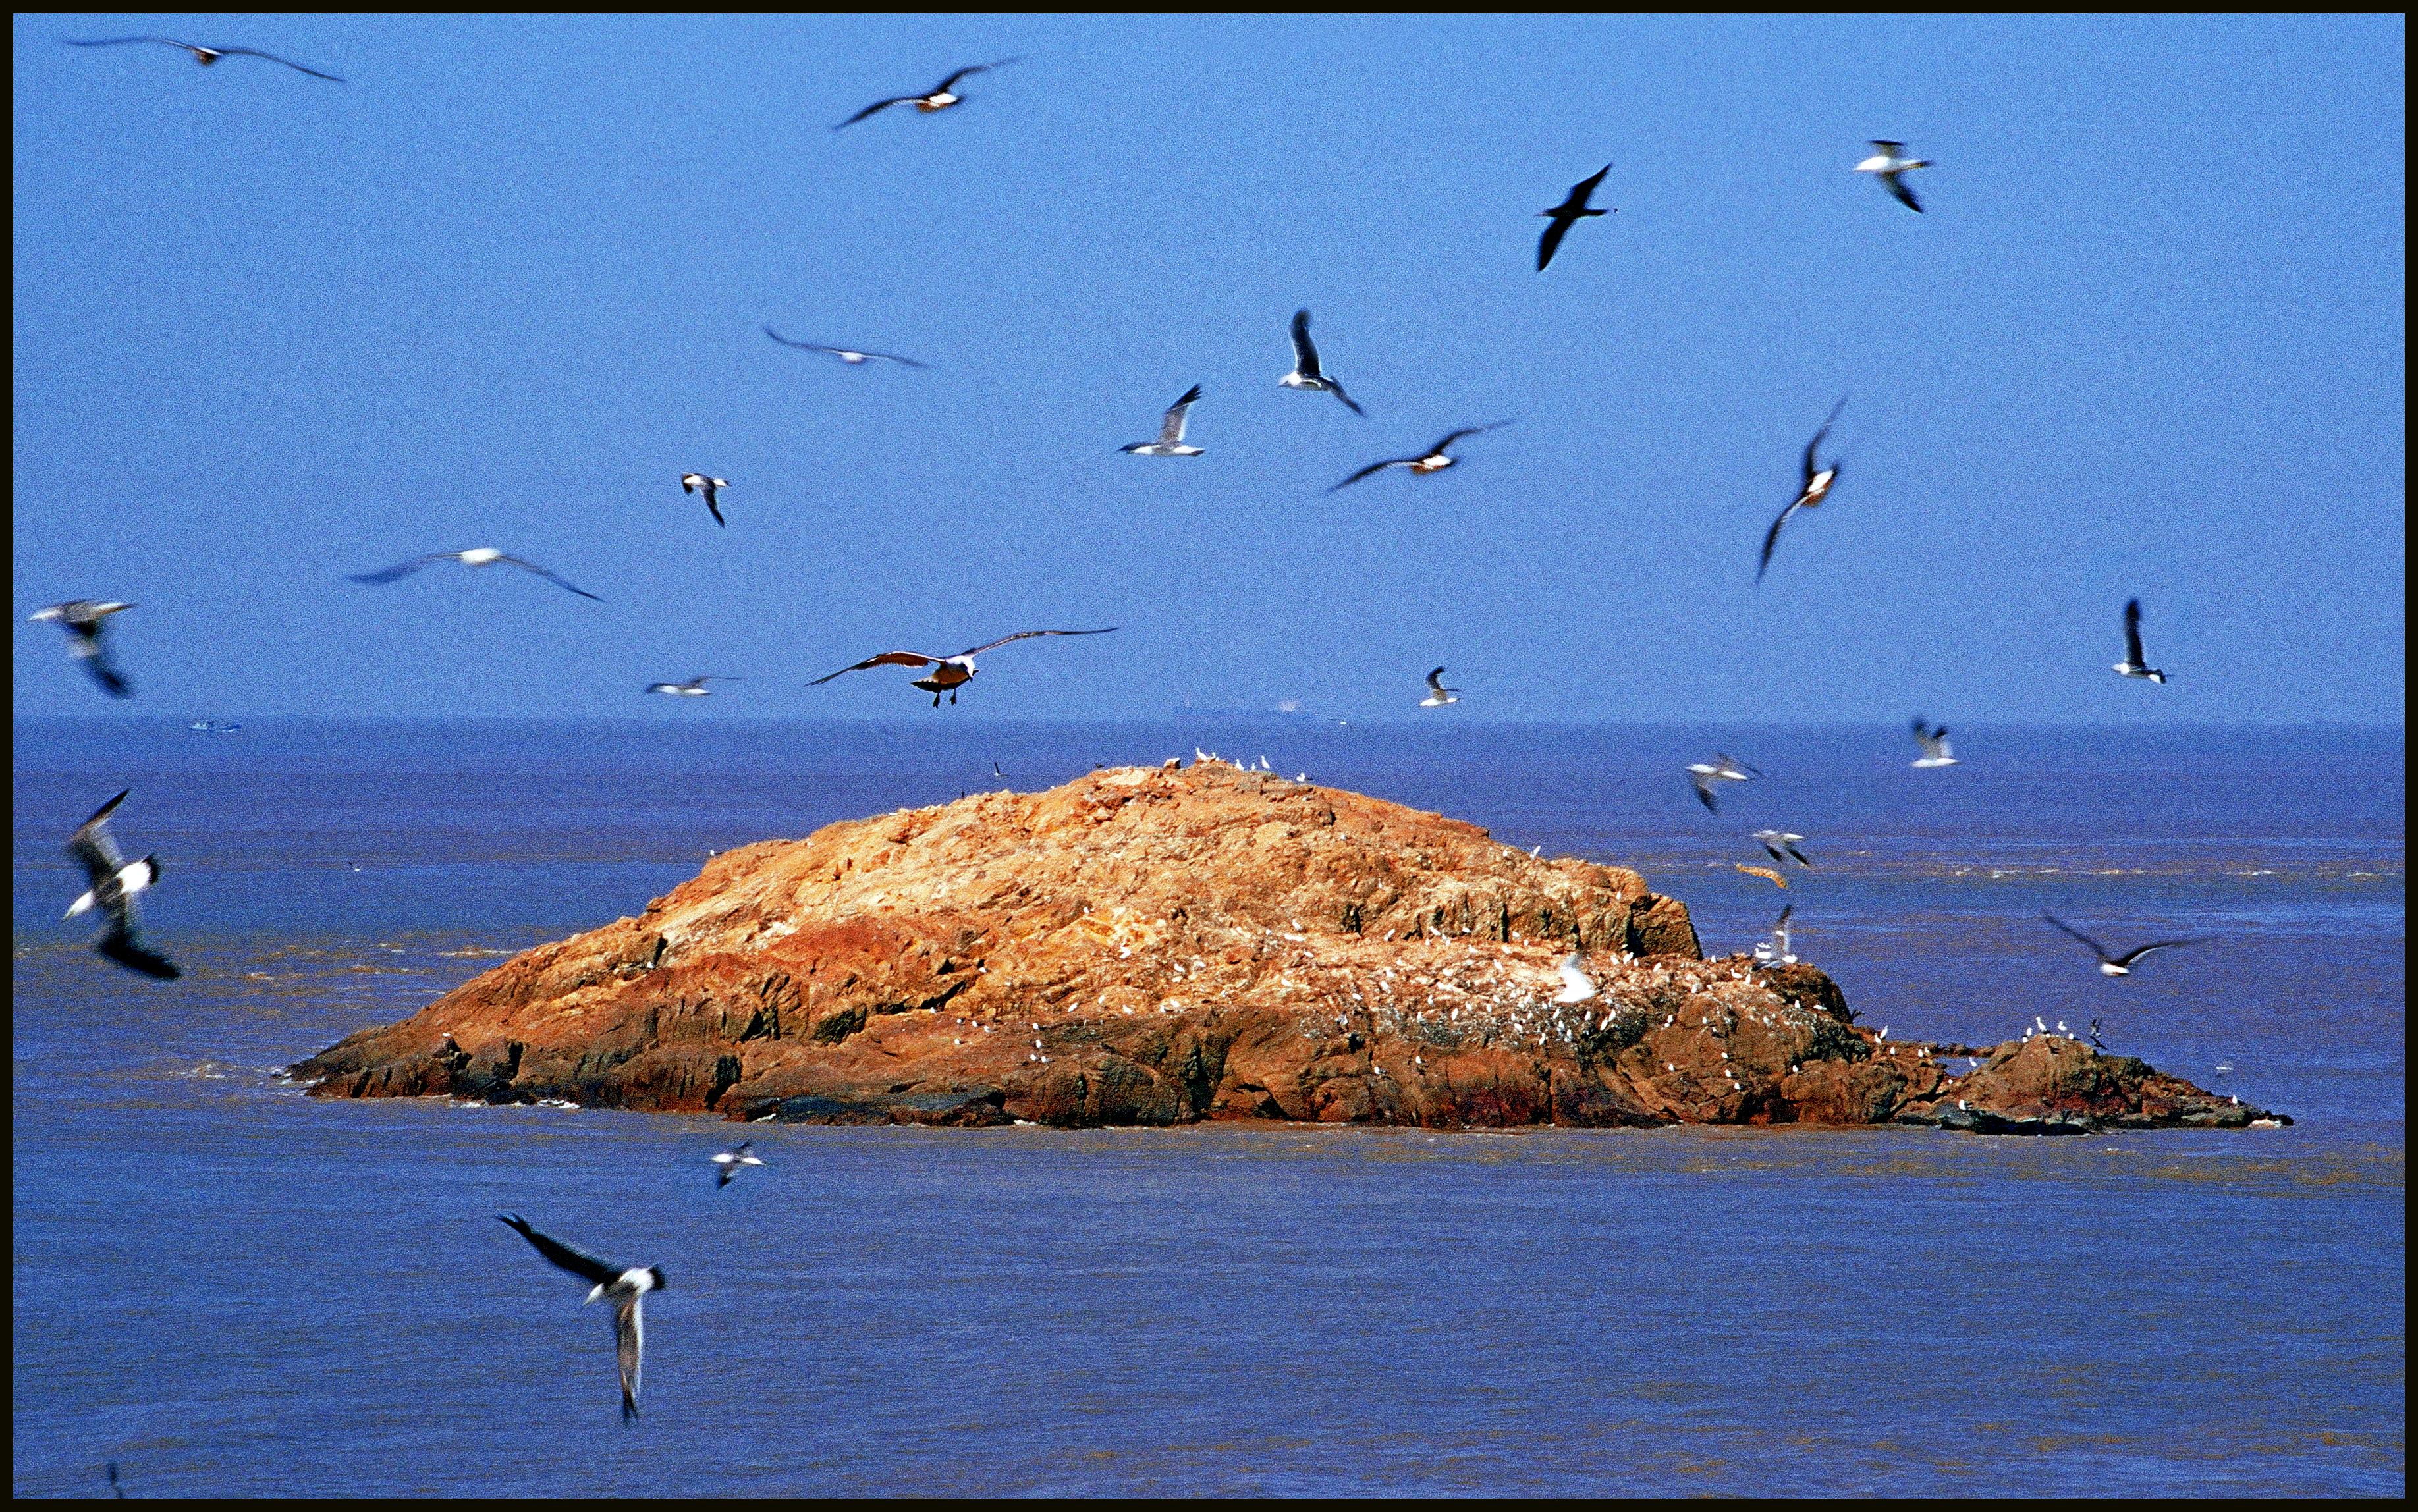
point(1721, 769)
point(1438, 695)
point(693, 482)
point(1935, 745)
point(1567, 214)
point(1778, 841)
point(1305, 373)
point(80, 619)
point(848, 355)
point(206, 55)
point(941, 97)
point(692, 688)
point(1433, 460)
point(475, 557)
point(114, 884)
point(625, 1287)
point(1888, 165)
point(1171, 431)
point(2113, 965)
point(949, 672)
point(1816, 487)
point(215, 726)
point(1774, 951)
point(730, 1160)
point(2136, 664)
point(1577, 987)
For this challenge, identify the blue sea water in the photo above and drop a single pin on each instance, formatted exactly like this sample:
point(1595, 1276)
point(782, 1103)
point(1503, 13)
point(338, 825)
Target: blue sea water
point(226, 1288)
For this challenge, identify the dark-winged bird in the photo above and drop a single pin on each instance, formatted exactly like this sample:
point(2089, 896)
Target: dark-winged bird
point(941, 97)
point(691, 482)
point(475, 557)
point(2113, 965)
point(728, 1162)
point(114, 883)
point(847, 354)
point(1171, 431)
point(625, 1286)
point(949, 672)
point(1808, 495)
point(1433, 460)
point(1886, 165)
point(80, 619)
point(1306, 372)
point(2136, 664)
point(205, 56)
point(1567, 214)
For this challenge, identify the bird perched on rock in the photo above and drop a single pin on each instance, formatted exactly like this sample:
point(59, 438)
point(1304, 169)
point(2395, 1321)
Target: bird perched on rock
point(626, 1286)
point(82, 620)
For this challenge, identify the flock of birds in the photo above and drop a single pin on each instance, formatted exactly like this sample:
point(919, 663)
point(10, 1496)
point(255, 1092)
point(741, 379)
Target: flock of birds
point(114, 882)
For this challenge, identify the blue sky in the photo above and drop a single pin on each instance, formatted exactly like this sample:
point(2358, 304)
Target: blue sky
point(507, 283)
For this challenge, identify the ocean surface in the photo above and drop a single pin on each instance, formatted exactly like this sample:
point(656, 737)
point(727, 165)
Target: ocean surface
point(226, 1287)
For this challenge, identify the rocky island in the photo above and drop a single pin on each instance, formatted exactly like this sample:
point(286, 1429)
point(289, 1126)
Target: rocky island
point(1170, 944)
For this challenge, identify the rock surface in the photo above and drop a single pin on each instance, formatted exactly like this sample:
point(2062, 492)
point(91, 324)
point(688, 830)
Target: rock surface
point(1167, 944)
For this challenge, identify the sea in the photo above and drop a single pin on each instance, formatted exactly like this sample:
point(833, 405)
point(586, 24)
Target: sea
point(224, 1288)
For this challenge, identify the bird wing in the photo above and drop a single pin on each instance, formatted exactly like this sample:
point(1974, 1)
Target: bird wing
point(629, 1348)
point(121, 945)
point(2062, 928)
point(1349, 402)
point(1170, 425)
point(1450, 438)
point(1555, 232)
point(1812, 468)
point(566, 583)
point(1305, 354)
point(949, 83)
point(577, 1261)
point(893, 357)
point(255, 52)
point(885, 659)
point(1791, 847)
point(1705, 791)
point(1897, 185)
point(1782, 923)
point(809, 346)
point(2133, 633)
point(729, 1169)
point(877, 105)
point(1583, 190)
point(714, 507)
point(1435, 680)
point(1772, 539)
point(2132, 955)
point(114, 41)
point(1027, 635)
point(400, 570)
point(1890, 147)
point(93, 846)
point(96, 661)
point(1374, 466)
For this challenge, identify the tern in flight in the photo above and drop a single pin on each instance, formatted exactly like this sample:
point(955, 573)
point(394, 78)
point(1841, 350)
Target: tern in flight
point(1171, 431)
point(80, 619)
point(114, 883)
point(1433, 460)
point(2136, 664)
point(1306, 372)
point(1438, 695)
point(1721, 769)
point(1577, 987)
point(949, 672)
point(941, 97)
point(695, 483)
point(692, 688)
point(475, 557)
point(1888, 165)
point(1567, 215)
point(625, 1286)
point(206, 55)
point(1816, 487)
point(1935, 745)
point(2112, 965)
point(1779, 841)
point(730, 1160)
point(848, 355)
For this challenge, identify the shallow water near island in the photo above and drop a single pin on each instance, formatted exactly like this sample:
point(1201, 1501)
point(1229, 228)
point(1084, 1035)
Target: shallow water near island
point(228, 1288)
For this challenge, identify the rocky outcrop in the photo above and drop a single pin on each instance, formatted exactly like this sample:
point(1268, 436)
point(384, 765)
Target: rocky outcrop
point(1168, 944)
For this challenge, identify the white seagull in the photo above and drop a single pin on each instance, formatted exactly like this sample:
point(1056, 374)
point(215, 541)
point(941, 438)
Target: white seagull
point(80, 619)
point(1171, 431)
point(1722, 767)
point(941, 97)
point(693, 482)
point(1774, 951)
point(1305, 373)
point(949, 672)
point(1816, 488)
point(475, 557)
point(1935, 745)
point(1779, 841)
point(1577, 987)
point(730, 1160)
point(625, 1286)
point(2136, 664)
point(692, 688)
point(113, 883)
point(1435, 459)
point(2113, 965)
point(205, 56)
point(1886, 164)
point(1438, 695)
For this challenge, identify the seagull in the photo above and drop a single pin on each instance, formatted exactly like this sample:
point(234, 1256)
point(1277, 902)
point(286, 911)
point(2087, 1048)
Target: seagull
point(1720, 768)
point(625, 1287)
point(80, 619)
point(1567, 215)
point(949, 672)
point(2136, 664)
point(1438, 695)
point(1935, 745)
point(215, 726)
point(2094, 1031)
point(114, 883)
point(1577, 987)
point(2113, 965)
point(940, 99)
point(1171, 431)
point(848, 355)
point(206, 55)
point(1775, 950)
point(1433, 460)
point(1305, 373)
point(475, 557)
point(692, 688)
point(730, 1160)
point(1816, 487)
point(1777, 841)
point(1888, 164)
point(692, 481)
